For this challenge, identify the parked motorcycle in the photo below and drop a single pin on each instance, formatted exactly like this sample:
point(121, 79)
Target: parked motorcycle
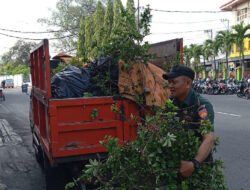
point(244, 89)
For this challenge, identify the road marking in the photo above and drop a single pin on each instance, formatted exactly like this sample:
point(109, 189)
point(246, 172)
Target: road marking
point(231, 114)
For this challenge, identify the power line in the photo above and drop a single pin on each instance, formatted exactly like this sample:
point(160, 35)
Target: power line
point(169, 11)
point(35, 39)
point(177, 11)
point(187, 22)
point(43, 32)
point(184, 31)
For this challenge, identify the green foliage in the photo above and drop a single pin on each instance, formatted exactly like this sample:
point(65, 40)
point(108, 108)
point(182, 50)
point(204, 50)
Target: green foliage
point(99, 19)
point(19, 54)
point(196, 52)
point(87, 94)
point(108, 21)
point(94, 113)
point(169, 63)
point(126, 44)
point(118, 23)
point(66, 17)
point(239, 35)
point(77, 62)
point(16, 60)
point(60, 67)
point(115, 109)
point(226, 42)
point(152, 161)
point(122, 43)
point(131, 13)
point(187, 56)
point(81, 39)
point(89, 35)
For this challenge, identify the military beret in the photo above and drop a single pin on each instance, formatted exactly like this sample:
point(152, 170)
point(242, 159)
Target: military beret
point(179, 70)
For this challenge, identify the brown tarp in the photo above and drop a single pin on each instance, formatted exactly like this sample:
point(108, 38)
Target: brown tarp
point(143, 78)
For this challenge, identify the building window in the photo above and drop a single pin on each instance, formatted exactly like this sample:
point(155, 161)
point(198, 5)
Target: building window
point(241, 14)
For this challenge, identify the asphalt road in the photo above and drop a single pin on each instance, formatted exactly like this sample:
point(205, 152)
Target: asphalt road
point(232, 125)
point(18, 167)
point(20, 171)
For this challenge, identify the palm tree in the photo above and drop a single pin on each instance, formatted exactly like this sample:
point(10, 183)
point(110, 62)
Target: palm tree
point(196, 52)
point(213, 49)
point(206, 53)
point(225, 40)
point(239, 36)
point(187, 56)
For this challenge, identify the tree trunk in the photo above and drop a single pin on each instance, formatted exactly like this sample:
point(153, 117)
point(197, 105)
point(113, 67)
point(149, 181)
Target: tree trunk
point(216, 71)
point(243, 66)
point(227, 65)
point(204, 62)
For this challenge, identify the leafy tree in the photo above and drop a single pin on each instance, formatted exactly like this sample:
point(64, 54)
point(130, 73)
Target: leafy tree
point(89, 34)
point(66, 18)
point(196, 52)
point(240, 33)
point(118, 23)
point(187, 55)
point(213, 49)
point(108, 21)
point(19, 53)
point(206, 53)
point(98, 24)
point(81, 49)
point(131, 12)
point(226, 40)
point(16, 60)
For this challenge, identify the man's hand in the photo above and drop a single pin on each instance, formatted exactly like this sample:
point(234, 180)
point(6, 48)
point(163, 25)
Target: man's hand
point(187, 168)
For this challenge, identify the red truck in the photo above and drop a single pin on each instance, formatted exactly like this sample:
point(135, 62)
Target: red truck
point(65, 134)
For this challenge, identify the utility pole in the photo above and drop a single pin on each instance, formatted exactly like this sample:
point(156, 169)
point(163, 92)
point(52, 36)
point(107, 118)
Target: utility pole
point(226, 20)
point(211, 38)
point(211, 33)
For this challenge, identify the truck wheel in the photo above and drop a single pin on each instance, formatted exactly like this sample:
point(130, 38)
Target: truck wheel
point(39, 155)
point(54, 176)
point(38, 150)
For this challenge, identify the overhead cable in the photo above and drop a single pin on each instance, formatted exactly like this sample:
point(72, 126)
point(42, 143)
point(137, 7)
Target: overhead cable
point(185, 31)
point(204, 21)
point(43, 32)
point(174, 11)
point(35, 39)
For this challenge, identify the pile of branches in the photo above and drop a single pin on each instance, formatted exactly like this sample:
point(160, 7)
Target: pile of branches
point(152, 161)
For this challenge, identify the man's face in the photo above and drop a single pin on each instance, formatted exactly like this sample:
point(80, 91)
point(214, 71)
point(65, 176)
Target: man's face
point(178, 86)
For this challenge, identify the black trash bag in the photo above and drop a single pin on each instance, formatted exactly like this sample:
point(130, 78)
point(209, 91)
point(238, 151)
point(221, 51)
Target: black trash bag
point(104, 77)
point(70, 82)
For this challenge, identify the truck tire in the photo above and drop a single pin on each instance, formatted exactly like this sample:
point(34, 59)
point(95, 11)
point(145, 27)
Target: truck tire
point(54, 176)
point(39, 154)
